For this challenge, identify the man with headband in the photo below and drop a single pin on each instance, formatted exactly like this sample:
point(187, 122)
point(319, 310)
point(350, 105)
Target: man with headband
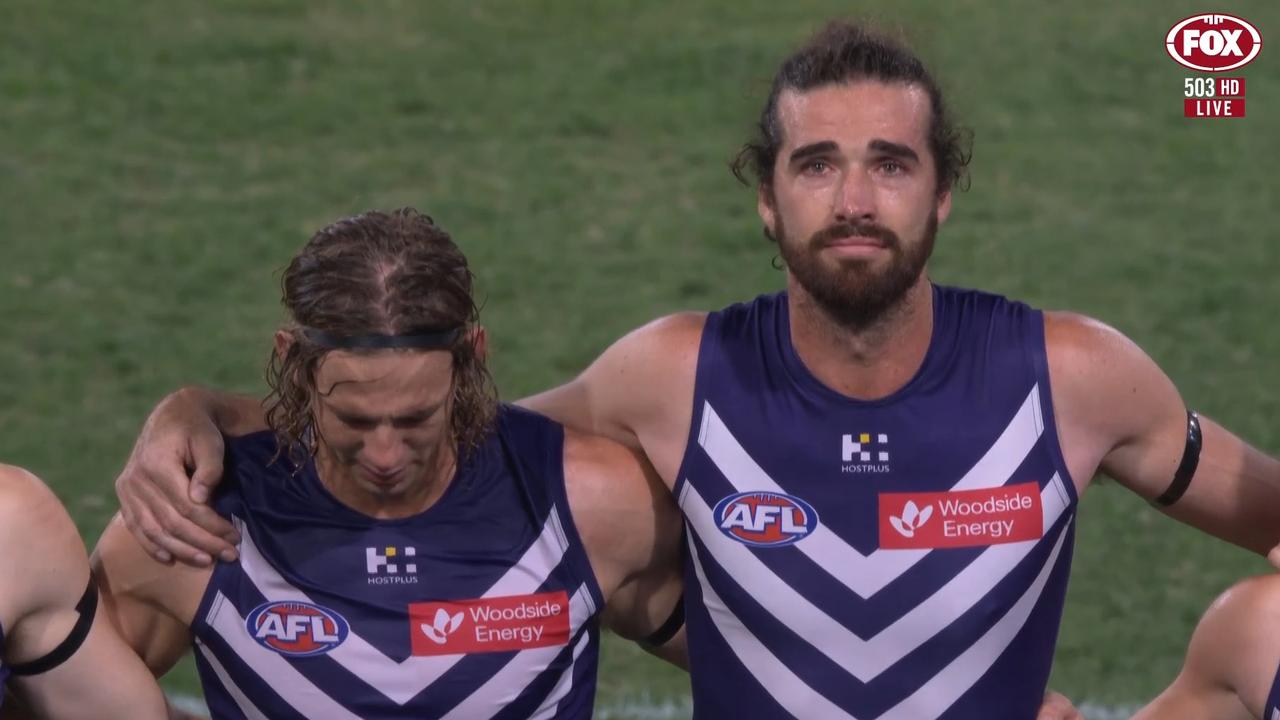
point(55, 647)
point(409, 547)
point(880, 475)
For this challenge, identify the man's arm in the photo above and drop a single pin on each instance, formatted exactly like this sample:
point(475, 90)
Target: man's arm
point(632, 531)
point(175, 463)
point(629, 385)
point(639, 392)
point(149, 604)
point(1117, 409)
point(1231, 660)
point(46, 576)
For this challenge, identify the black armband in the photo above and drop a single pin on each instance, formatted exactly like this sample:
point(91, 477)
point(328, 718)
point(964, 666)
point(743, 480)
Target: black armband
point(1186, 468)
point(87, 608)
point(669, 627)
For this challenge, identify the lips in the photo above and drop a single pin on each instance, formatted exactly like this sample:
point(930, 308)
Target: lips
point(382, 478)
point(856, 241)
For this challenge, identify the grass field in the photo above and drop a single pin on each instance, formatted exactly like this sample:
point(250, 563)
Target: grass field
point(160, 161)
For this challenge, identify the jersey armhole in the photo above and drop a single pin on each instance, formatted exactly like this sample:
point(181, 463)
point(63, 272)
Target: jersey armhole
point(565, 525)
point(1037, 353)
point(708, 345)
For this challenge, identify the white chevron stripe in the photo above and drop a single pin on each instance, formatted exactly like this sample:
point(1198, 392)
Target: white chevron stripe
point(242, 701)
point(505, 686)
point(866, 659)
point(402, 681)
point(549, 706)
point(868, 574)
point(928, 702)
point(942, 690)
point(292, 686)
point(784, 686)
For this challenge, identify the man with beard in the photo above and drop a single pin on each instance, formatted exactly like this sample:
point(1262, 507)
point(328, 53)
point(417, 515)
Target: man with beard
point(878, 478)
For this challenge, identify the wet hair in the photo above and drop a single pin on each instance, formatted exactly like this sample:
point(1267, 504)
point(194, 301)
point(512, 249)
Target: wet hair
point(378, 273)
point(844, 52)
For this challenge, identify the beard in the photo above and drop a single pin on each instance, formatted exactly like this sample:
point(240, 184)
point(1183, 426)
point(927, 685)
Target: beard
point(852, 291)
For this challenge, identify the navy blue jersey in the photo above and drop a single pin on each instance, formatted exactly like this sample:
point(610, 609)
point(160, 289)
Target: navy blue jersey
point(4, 669)
point(483, 606)
point(1271, 711)
point(905, 557)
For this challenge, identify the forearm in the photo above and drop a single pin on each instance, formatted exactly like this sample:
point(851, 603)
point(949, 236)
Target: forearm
point(233, 414)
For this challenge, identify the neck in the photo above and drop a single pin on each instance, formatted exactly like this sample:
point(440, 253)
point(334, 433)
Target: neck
point(340, 480)
point(868, 362)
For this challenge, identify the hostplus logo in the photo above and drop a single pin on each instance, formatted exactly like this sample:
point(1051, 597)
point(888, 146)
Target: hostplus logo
point(864, 453)
point(390, 565)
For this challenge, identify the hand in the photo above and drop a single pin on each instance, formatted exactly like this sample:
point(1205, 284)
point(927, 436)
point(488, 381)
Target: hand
point(1056, 706)
point(161, 504)
point(1273, 557)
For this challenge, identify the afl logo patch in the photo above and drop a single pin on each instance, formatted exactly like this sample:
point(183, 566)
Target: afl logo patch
point(765, 519)
point(298, 629)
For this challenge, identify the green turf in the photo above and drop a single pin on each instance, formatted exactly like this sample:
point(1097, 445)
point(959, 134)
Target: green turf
point(160, 161)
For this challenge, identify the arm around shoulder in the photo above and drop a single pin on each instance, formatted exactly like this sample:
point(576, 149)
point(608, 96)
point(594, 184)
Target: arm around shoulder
point(632, 531)
point(627, 387)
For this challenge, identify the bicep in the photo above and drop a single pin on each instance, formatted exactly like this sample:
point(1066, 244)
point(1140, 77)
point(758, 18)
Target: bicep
point(125, 575)
point(1119, 407)
point(103, 679)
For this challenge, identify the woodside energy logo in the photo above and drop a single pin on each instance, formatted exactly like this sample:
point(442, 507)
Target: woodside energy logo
point(1213, 43)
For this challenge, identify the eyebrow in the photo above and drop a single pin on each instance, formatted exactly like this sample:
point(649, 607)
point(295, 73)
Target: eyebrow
point(807, 151)
point(416, 414)
point(892, 149)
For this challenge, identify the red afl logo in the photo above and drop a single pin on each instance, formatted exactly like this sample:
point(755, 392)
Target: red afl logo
point(296, 628)
point(765, 519)
point(1213, 43)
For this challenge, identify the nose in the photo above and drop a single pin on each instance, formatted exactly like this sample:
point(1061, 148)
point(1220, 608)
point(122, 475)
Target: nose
point(384, 450)
point(855, 199)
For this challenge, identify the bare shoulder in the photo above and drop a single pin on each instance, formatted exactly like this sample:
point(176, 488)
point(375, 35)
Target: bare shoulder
point(660, 345)
point(1078, 341)
point(26, 503)
point(38, 545)
point(1104, 384)
point(1249, 608)
point(1237, 642)
point(28, 510)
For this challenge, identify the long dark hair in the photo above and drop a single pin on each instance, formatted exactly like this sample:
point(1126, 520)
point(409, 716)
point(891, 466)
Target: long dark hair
point(377, 273)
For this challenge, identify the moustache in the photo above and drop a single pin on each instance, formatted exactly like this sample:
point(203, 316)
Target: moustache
point(839, 231)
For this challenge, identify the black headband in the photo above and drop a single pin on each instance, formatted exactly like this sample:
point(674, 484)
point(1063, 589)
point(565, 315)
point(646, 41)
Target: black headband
point(440, 340)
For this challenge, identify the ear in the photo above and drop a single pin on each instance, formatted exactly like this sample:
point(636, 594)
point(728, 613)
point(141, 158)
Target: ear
point(479, 339)
point(765, 208)
point(283, 342)
point(944, 206)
